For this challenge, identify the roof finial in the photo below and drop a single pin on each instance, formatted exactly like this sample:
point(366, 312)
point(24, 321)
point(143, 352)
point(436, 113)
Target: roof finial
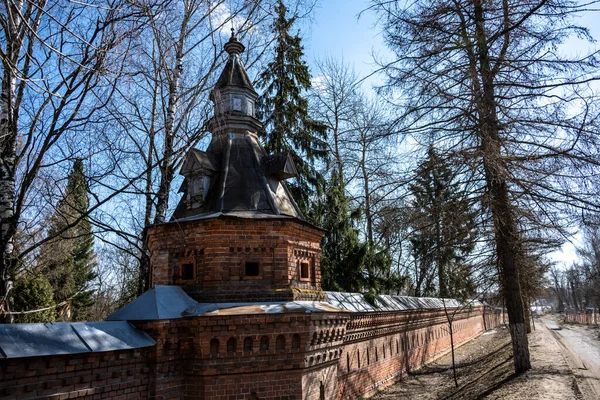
point(233, 46)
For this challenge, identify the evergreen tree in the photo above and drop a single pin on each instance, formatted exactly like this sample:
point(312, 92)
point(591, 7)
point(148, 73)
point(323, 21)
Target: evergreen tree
point(283, 109)
point(34, 293)
point(445, 232)
point(68, 260)
point(344, 256)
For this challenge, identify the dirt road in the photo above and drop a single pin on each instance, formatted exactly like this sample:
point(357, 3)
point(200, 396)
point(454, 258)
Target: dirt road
point(581, 348)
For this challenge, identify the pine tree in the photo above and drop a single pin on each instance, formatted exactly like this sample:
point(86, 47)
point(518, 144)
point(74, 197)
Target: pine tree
point(68, 259)
point(445, 232)
point(283, 109)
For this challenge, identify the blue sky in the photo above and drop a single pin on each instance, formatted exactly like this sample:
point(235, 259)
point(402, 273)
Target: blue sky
point(337, 31)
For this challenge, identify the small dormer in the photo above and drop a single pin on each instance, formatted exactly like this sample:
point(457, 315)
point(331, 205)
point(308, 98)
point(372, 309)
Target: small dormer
point(198, 170)
point(280, 166)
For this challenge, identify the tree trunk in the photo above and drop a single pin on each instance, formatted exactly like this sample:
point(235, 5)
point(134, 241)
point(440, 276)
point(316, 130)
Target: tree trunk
point(8, 140)
point(367, 189)
point(527, 311)
point(505, 228)
point(143, 282)
point(453, 356)
point(167, 168)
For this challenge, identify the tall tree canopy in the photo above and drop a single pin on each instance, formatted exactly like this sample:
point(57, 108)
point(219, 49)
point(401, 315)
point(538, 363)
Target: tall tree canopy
point(67, 260)
point(491, 84)
point(344, 256)
point(444, 234)
point(283, 109)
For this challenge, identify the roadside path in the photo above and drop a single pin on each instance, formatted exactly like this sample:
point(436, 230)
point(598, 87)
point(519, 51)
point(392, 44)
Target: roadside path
point(581, 349)
point(485, 371)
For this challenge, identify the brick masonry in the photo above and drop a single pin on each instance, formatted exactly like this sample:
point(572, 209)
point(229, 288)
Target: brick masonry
point(219, 248)
point(245, 353)
point(280, 356)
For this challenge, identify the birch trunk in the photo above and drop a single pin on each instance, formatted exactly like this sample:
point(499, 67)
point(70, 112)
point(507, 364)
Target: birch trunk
point(8, 140)
point(167, 170)
point(7, 190)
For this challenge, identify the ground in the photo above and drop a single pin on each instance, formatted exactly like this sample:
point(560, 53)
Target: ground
point(485, 369)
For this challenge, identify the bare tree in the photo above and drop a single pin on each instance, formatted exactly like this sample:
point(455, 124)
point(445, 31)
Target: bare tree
point(334, 99)
point(488, 83)
point(59, 61)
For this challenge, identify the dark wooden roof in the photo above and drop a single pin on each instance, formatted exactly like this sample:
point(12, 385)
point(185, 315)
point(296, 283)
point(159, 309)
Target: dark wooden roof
point(246, 179)
point(234, 75)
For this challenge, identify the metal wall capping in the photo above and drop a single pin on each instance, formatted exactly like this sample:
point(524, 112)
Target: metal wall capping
point(394, 303)
point(349, 301)
point(31, 340)
point(356, 302)
point(160, 302)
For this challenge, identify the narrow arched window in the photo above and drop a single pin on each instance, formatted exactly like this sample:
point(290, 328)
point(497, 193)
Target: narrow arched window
point(248, 344)
point(264, 343)
point(296, 341)
point(214, 346)
point(231, 345)
point(280, 342)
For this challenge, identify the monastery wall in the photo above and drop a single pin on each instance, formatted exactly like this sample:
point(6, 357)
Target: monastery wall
point(381, 347)
point(282, 356)
point(108, 375)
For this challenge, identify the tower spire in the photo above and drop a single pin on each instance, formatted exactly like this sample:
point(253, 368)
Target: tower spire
point(234, 47)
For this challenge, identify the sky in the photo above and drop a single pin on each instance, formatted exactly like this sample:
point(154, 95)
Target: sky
point(337, 31)
point(342, 29)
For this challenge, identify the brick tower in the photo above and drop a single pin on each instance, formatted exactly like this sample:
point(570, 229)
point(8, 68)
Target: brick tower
point(237, 234)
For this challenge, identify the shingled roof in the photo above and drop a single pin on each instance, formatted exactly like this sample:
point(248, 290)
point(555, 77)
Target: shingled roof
point(245, 181)
point(234, 73)
point(235, 175)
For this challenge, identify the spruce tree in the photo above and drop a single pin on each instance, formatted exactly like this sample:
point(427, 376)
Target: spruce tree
point(68, 259)
point(344, 256)
point(283, 109)
point(34, 293)
point(444, 230)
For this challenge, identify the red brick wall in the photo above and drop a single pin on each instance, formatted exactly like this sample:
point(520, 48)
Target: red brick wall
point(111, 375)
point(381, 347)
point(322, 360)
point(219, 249)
